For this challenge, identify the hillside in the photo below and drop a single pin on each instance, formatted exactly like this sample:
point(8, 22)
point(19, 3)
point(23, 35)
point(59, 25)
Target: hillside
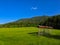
point(53, 21)
point(34, 21)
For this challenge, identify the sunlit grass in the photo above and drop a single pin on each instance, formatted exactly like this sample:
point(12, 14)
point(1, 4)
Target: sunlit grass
point(25, 36)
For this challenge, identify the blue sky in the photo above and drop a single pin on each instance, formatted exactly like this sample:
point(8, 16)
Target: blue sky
point(11, 10)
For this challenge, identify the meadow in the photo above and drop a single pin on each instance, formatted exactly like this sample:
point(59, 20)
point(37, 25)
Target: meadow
point(28, 36)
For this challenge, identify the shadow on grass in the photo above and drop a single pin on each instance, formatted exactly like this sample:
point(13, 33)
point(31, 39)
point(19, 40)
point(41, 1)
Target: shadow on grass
point(45, 35)
point(34, 33)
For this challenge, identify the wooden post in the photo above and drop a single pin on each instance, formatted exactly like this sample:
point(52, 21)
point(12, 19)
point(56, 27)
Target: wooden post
point(38, 31)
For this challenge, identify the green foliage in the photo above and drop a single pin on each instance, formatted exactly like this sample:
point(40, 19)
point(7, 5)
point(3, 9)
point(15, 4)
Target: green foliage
point(30, 22)
point(53, 21)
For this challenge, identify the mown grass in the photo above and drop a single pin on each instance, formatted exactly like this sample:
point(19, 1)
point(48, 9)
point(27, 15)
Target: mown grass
point(27, 36)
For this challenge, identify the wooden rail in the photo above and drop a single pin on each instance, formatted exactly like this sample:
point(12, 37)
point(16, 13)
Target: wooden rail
point(45, 27)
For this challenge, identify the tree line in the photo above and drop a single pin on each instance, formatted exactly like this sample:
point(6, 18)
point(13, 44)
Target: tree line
point(53, 21)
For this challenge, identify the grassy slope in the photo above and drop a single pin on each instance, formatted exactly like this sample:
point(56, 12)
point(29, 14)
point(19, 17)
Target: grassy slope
point(25, 36)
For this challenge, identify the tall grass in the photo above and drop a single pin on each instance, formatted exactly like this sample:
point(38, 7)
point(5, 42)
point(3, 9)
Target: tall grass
point(27, 36)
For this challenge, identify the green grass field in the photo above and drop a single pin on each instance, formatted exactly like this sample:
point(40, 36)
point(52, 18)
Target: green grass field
point(27, 36)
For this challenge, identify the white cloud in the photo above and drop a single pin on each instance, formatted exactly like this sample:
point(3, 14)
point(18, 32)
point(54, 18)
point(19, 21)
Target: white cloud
point(34, 8)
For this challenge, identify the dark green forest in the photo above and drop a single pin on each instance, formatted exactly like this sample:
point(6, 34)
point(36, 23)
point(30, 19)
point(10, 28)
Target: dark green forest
point(53, 21)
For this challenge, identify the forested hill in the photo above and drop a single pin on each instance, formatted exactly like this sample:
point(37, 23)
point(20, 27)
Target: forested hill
point(26, 22)
point(36, 19)
point(53, 21)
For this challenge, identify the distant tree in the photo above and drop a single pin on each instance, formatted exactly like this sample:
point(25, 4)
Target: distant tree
point(53, 21)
